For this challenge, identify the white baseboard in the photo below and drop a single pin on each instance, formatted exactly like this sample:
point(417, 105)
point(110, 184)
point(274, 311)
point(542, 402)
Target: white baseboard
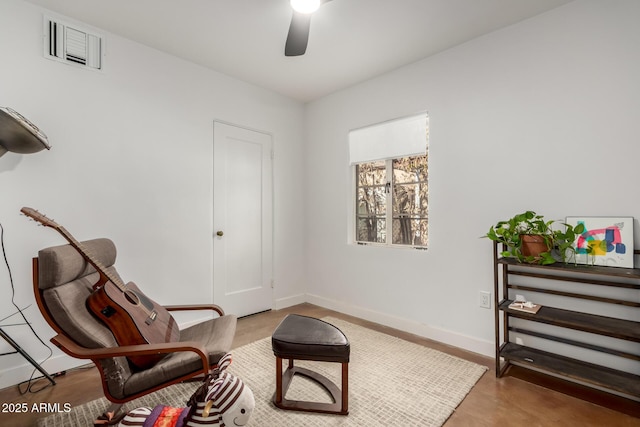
point(290, 301)
point(483, 347)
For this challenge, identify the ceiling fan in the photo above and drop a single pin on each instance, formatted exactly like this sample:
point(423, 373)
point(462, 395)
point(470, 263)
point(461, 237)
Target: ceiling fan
point(298, 36)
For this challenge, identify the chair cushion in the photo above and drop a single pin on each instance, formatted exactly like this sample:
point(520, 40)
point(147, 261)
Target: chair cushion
point(66, 280)
point(67, 305)
point(62, 264)
point(307, 338)
point(216, 335)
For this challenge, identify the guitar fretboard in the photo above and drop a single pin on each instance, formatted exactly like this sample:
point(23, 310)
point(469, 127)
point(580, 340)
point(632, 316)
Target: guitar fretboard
point(91, 259)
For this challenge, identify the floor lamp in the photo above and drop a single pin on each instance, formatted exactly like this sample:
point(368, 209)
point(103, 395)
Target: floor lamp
point(19, 135)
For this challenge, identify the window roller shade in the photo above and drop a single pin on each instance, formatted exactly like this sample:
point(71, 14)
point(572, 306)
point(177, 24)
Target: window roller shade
point(403, 137)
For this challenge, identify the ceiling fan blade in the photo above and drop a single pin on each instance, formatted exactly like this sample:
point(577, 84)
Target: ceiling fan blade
point(298, 36)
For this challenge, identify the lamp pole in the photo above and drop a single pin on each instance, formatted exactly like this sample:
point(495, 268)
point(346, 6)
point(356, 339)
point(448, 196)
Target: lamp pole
point(20, 350)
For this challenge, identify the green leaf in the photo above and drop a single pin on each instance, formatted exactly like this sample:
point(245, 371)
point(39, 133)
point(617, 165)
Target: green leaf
point(491, 234)
point(547, 258)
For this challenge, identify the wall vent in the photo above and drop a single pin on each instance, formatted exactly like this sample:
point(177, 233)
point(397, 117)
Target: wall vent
point(72, 44)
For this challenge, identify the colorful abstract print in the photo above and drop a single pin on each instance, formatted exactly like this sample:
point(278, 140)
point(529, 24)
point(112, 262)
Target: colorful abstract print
point(599, 242)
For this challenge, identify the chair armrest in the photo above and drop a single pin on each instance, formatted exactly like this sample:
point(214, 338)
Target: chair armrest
point(213, 307)
point(74, 350)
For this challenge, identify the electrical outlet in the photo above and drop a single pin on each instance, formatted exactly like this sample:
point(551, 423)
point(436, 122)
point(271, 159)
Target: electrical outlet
point(485, 299)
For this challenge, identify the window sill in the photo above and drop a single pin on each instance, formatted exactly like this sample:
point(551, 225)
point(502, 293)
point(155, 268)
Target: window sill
point(383, 245)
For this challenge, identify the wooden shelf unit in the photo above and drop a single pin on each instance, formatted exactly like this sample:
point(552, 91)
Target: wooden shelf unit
point(507, 272)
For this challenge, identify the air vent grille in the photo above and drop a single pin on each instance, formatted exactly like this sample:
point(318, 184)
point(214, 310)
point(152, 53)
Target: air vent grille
point(71, 44)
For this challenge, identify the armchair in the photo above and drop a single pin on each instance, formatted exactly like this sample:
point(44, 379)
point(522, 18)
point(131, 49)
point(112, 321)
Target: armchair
point(62, 282)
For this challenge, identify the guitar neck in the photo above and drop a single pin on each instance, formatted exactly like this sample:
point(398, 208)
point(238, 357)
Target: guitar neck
point(91, 259)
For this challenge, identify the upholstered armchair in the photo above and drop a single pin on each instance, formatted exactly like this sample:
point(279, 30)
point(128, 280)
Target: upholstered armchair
point(63, 280)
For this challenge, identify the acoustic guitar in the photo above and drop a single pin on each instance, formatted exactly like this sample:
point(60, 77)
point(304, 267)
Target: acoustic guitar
point(132, 317)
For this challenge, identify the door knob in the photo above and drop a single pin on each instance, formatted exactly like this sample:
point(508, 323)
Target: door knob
point(219, 233)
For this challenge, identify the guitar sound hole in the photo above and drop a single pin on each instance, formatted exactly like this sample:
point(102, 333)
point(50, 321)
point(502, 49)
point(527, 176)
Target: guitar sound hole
point(132, 297)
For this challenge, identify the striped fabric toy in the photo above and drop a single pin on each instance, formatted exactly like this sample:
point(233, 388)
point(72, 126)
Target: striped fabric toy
point(222, 400)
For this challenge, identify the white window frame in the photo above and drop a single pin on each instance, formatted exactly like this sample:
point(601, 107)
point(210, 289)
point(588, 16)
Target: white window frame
point(389, 191)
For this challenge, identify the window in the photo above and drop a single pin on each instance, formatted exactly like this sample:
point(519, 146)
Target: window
point(391, 182)
point(391, 201)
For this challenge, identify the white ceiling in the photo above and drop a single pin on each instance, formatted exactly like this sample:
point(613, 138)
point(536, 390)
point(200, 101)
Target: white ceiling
point(350, 41)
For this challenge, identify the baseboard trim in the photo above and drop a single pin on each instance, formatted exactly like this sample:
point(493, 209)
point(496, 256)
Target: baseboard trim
point(465, 342)
point(290, 301)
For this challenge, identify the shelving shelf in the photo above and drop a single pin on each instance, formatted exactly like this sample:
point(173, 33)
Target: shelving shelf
point(549, 281)
point(609, 326)
point(601, 376)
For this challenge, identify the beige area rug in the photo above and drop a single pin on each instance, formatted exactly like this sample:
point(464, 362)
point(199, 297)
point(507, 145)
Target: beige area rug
point(392, 382)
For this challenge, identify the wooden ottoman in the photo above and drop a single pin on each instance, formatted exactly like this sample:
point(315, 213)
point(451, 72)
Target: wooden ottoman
point(306, 338)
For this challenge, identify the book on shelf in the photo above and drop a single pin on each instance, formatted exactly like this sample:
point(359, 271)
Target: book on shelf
point(526, 306)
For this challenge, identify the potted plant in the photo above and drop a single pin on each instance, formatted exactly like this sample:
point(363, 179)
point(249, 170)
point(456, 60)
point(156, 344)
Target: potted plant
point(530, 238)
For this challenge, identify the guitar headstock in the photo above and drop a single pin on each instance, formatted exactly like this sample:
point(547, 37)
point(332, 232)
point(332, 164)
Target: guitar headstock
point(41, 218)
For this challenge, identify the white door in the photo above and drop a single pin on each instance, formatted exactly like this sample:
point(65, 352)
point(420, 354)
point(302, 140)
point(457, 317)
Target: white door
point(242, 220)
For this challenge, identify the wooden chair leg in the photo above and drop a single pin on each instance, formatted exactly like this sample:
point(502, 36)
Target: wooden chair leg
point(278, 396)
point(345, 387)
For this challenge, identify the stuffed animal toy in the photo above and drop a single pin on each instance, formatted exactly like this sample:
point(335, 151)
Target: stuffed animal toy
point(222, 400)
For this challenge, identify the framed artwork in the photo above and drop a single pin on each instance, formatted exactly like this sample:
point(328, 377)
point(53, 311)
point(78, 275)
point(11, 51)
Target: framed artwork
point(605, 241)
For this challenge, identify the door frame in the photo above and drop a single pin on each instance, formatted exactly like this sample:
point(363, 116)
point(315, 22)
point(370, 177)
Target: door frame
point(271, 197)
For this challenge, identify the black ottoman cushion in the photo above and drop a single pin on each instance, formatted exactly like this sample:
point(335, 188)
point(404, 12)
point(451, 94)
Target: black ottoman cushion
point(307, 338)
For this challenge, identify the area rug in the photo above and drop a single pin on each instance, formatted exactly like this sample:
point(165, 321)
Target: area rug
point(392, 382)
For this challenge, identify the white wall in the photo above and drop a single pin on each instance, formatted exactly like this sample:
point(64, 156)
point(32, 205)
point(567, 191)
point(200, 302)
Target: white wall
point(542, 115)
point(132, 161)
